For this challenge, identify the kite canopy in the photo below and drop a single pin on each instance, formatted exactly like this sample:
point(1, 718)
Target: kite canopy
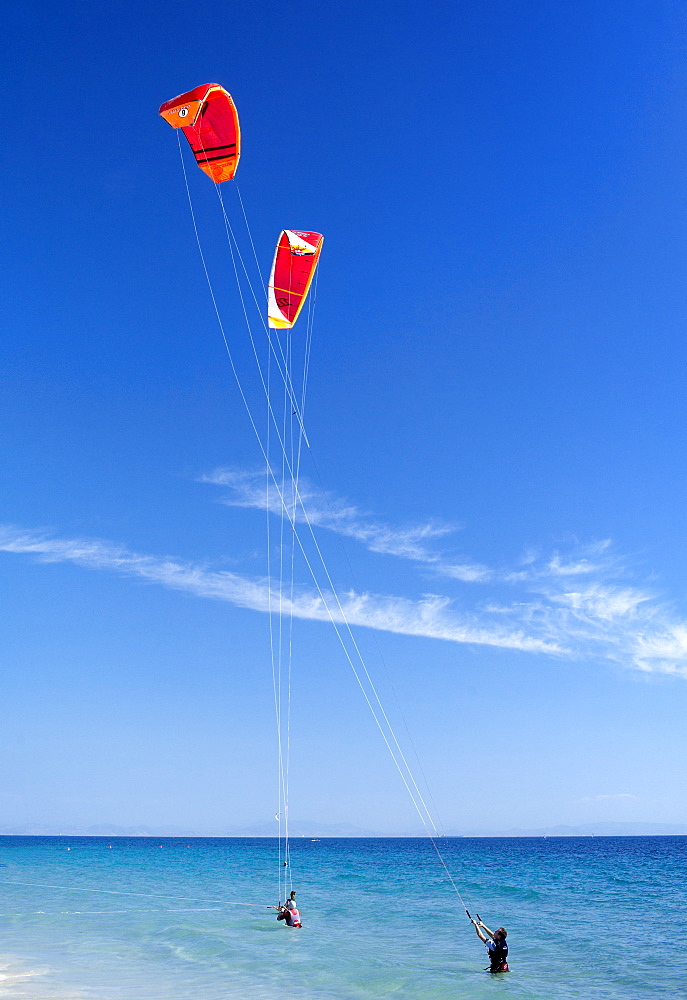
point(295, 260)
point(209, 120)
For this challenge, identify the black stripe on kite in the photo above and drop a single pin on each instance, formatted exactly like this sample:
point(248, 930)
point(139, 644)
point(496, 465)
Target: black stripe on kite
point(213, 149)
point(209, 159)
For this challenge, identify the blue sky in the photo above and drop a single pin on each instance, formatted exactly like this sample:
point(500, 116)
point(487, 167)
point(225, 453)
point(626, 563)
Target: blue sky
point(496, 410)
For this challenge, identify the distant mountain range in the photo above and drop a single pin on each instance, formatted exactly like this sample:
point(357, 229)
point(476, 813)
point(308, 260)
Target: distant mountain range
point(320, 830)
point(590, 830)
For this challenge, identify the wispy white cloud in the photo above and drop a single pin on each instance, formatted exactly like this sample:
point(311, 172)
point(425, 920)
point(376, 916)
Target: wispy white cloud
point(588, 611)
point(557, 567)
point(593, 558)
point(430, 617)
point(602, 603)
point(412, 542)
point(419, 543)
point(664, 650)
point(467, 572)
point(96, 554)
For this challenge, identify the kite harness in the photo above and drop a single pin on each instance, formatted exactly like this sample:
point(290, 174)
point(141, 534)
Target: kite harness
point(498, 955)
point(290, 914)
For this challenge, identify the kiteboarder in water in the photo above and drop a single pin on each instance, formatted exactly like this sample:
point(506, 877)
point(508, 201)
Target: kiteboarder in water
point(288, 911)
point(290, 914)
point(496, 946)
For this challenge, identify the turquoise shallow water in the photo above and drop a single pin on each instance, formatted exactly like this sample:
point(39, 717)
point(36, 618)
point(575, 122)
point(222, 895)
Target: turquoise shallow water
point(600, 918)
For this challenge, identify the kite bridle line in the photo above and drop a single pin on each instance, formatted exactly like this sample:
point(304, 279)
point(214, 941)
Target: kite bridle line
point(331, 603)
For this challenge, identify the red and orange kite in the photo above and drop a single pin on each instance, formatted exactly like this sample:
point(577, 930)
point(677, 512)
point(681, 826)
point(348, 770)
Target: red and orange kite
point(293, 269)
point(208, 118)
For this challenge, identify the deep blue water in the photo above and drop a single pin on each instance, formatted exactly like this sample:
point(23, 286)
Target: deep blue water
point(596, 918)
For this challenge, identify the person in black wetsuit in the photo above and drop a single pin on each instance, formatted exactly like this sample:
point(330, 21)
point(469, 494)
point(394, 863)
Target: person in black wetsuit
point(496, 946)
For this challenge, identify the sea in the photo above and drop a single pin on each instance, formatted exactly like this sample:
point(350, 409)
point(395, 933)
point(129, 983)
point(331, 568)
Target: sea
point(97, 918)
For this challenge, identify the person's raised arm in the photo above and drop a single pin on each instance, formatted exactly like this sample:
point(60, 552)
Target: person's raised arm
point(480, 933)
